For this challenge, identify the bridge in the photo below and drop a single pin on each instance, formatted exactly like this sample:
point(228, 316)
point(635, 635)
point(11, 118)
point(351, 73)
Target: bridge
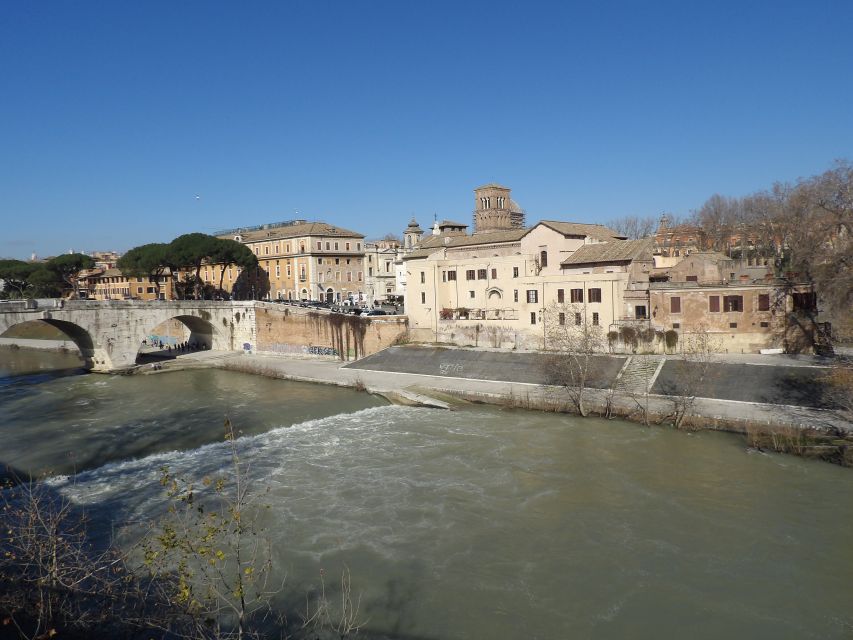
point(110, 333)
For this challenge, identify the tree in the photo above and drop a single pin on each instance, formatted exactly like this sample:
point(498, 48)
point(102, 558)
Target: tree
point(15, 275)
point(147, 260)
point(68, 266)
point(572, 342)
point(693, 369)
point(227, 252)
point(209, 555)
point(45, 283)
point(633, 227)
point(191, 250)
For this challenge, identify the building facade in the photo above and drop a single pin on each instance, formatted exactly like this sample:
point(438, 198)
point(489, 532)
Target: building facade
point(297, 260)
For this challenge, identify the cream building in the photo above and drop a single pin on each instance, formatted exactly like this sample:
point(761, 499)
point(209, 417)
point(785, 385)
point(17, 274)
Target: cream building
point(298, 260)
point(495, 287)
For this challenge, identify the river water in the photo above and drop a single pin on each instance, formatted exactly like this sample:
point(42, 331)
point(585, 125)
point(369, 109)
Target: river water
point(478, 523)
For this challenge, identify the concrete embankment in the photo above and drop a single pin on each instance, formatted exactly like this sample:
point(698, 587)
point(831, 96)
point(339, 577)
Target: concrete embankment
point(801, 429)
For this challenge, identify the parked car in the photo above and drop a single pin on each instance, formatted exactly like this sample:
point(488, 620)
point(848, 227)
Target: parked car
point(377, 312)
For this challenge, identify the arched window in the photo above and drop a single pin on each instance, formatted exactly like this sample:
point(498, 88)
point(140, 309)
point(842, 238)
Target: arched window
point(543, 258)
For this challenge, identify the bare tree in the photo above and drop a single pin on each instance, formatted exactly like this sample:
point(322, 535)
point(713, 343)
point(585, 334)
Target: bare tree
point(694, 366)
point(209, 556)
point(634, 227)
point(572, 341)
point(53, 579)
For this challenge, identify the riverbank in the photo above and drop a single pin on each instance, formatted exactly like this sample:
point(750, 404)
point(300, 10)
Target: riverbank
point(805, 431)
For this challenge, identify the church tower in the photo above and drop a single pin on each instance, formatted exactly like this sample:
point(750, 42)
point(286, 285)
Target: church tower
point(494, 210)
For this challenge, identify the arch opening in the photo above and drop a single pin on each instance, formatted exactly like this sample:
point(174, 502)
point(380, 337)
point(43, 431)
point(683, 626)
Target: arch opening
point(54, 335)
point(176, 336)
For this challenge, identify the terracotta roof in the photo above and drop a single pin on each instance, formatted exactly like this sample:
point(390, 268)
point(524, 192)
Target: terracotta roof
point(613, 251)
point(597, 231)
point(434, 243)
point(450, 223)
point(295, 230)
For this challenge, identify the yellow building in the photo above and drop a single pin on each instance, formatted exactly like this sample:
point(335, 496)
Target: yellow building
point(112, 284)
point(297, 260)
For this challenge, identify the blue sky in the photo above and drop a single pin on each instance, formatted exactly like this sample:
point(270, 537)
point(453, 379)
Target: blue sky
point(115, 115)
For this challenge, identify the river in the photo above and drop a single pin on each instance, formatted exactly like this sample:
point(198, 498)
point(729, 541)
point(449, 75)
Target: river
point(477, 523)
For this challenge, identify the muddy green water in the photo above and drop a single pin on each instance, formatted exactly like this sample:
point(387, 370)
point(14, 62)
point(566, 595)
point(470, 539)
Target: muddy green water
point(468, 524)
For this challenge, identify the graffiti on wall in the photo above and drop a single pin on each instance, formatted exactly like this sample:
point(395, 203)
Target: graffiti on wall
point(447, 368)
point(301, 349)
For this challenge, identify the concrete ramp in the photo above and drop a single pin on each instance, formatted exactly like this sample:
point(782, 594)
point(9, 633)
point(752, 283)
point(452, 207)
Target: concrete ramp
point(505, 366)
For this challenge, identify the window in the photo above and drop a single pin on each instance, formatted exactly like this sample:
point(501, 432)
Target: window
point(543, 258)
point(319, 246)
point(349, 276)
point(319, 260)
point(451, 275)
point(423, 277)
point(594, 295)
point(640, 312)
point(338, 276)
point(675, 304)
point(595, 318)
point(562, 318)
point(532, 296)
point(138, 289)
point(277, 271)
point(275, 249)
point(515, 295)
point(804, 301)
point(561, 295)
point(337, 260)
point(266, 249)
point(532, 317)
point(481, 274)
point(360, 274)
point(139, 280)
point(423, 297)
point(764, 302)
point(576, 295)
point(692, 278)
point(370, 272)
point(714, 304)
point(470, 294)
point(328, 246)
point(515, 272)
point(444, 276)
point(288, 272)
point(731, 276)
point(494, 274)
point(577, 319)
point(732, 303)
point(347, 246)
point(732, 325)
point(764, 325)
point(470, 274)
point(676, 325)
point(337, 246)
point(358, 246)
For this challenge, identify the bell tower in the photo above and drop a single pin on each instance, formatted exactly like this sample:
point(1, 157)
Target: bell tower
point(494, 210)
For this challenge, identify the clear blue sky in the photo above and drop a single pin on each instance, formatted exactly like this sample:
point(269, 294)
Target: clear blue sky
point(115, 115)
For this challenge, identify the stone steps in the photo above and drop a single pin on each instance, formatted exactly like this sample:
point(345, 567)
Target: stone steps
point(638, 374)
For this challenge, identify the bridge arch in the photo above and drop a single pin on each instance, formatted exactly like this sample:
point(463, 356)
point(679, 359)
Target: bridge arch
point(199, 331)
point(74, 332)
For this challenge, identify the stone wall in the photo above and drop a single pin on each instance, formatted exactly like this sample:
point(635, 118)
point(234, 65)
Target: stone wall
point(299, 331)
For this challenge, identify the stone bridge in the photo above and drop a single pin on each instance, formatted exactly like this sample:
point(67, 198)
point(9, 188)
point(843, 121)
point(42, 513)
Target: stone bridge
point(109, 334)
